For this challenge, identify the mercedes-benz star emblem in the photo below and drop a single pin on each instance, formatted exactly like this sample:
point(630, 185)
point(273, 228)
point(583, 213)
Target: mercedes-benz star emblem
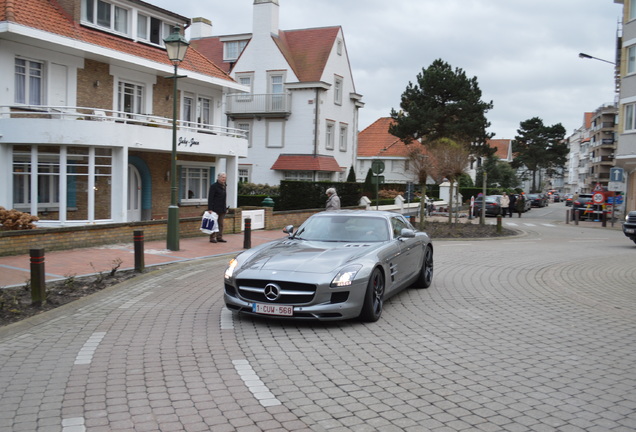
point(272, 292)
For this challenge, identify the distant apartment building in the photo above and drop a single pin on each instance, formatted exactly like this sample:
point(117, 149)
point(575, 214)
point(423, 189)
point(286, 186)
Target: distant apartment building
point(626, 147)
point(86, 113)
point(602, 148)
point(301, 114)
point(578, 157)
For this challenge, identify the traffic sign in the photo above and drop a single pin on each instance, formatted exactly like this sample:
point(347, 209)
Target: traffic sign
point(598, 198)
point(377, 166)
point(616, 174)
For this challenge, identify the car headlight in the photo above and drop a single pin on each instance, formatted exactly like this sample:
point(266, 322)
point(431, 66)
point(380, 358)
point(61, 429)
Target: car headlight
point(229, 271)
point(346, 276)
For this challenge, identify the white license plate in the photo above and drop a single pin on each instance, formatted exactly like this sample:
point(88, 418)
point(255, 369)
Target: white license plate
point(267, 309)
point(630, 230)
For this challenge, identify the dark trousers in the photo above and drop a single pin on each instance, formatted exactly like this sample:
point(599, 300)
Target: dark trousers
point(219, 235)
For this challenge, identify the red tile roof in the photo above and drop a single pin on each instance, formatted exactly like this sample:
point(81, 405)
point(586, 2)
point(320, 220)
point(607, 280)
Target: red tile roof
point(49, 16)
point(306, 50)
point(504, 149)
point(375, 140)
point(296, 162)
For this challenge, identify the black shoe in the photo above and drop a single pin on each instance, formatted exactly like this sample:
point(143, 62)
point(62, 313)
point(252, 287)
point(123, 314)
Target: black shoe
point(222, 241)
point(212, 240)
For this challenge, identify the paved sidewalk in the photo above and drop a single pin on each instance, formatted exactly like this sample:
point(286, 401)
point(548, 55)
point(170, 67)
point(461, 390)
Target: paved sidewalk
point(15, 270)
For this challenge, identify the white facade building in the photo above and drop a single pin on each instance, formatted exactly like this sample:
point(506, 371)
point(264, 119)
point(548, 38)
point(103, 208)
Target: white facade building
point(86, 114)
point(302, 113)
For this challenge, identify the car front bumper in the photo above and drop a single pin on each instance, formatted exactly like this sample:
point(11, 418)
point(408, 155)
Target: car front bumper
point(326, 304)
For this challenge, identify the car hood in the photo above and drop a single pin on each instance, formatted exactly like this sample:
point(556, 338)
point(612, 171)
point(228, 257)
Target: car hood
point(307, 256)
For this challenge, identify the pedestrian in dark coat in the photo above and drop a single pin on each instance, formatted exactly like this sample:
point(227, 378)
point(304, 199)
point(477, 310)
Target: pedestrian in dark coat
point(218, 204)
point(520, 204)
point(513, 202)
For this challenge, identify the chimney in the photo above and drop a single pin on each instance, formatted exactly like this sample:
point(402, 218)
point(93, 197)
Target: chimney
point(200, 28)
point(265, 18)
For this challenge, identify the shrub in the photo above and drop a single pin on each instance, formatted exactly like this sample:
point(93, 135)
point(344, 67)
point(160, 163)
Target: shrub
point(16, 220)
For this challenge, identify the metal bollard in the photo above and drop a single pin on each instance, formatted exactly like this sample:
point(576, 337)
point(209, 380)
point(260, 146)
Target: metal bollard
point(138, 239)
point(567, 216)
point(603, 218)
point(577, 215)
point(499, 227)
point(38, 283)
point(247, 235)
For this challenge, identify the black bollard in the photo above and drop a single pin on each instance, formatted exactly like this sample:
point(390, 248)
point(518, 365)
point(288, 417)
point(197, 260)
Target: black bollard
point(603, 218)
point(567, 216)
point(38, 283)
point(499, 227)
point(247, 234)
point(138, 239)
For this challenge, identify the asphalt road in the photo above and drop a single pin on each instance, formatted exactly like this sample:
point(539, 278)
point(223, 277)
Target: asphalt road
point(531, 333)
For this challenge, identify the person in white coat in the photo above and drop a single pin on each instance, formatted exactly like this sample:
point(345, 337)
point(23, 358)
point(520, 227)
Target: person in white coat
point(505, 204)
point(333, 200)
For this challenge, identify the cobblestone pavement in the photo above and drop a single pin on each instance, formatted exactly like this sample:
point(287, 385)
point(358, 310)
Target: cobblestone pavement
point(531, 333)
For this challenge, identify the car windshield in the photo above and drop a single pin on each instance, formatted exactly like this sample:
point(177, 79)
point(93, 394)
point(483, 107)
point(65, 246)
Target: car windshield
point(344, 228)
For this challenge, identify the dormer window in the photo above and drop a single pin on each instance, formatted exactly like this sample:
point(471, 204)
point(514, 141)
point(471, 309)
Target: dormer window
point(152, 29)
point(106, 15)
point(233, 49)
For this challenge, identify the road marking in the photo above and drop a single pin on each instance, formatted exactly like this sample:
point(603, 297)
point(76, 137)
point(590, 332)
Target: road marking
point(227, 319)
point(85, 355)
point(254, 383)
point(75, 424)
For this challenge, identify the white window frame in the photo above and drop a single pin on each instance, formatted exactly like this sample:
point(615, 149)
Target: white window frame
point(203, 171)
point(324, 176)
point(246, 80)
point(247, 127)
point(27, 79)
point(298, 175)
point(165, 29)
point(244, 174)
point(342, 136)
point(330, 133)
point(337, 89)
point(630, 117)
point(138, 97)
point(232, 49)
point(115, 10)
point(276, 89)
point(188, 109)
point(631, 59)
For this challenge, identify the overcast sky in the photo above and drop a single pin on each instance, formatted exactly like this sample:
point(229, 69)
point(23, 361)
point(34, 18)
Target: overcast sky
point(524, 53)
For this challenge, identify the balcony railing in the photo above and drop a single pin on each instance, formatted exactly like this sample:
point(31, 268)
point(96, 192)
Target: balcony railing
point(254, 105)
point(102, 115)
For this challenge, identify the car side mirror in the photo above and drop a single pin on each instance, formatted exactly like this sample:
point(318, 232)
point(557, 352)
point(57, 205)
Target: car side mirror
point(289, 229)
point(407, 233)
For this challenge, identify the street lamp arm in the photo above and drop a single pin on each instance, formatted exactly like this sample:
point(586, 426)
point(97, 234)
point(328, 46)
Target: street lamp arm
point(587, 56)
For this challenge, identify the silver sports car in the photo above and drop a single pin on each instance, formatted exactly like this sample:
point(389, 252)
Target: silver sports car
point(338, 265)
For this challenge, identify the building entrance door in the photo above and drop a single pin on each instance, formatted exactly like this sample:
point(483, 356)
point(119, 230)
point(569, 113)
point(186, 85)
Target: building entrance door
point(134, 194)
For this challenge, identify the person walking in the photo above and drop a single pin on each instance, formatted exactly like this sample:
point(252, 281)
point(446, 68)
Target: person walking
point(505, 204)
point(333, 200)
point(513, 202)
point(520, 204)
point(217, 196)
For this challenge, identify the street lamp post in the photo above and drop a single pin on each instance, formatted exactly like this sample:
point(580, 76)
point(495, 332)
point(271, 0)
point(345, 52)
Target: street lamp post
point(176, 47)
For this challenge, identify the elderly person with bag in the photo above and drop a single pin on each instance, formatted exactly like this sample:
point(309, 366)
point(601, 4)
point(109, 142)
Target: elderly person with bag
point(217, 204)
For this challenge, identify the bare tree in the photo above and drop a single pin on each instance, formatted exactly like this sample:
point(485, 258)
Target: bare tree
point(451, 160)
point(422, 165)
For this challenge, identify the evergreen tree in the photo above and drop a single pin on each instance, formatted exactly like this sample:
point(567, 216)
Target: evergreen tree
point(443, 104)
point(538, 147)
point(352, 175)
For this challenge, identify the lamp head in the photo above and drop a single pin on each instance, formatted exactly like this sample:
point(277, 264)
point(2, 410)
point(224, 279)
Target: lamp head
point(176, 46)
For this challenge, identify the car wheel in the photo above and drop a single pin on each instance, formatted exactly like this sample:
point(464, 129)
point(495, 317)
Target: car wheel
point(425, 278)
point(374, 298)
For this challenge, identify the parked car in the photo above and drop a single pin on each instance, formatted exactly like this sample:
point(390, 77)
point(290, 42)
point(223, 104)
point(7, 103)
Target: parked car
point(582, 205)
point(568, 199)
point(493, 205)
point(556, 197)
point(537, 199)
point(337, 265)
point(629, 226)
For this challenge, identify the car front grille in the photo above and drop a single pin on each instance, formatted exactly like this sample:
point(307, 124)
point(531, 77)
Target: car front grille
point(631, 218)
point(290, 293)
